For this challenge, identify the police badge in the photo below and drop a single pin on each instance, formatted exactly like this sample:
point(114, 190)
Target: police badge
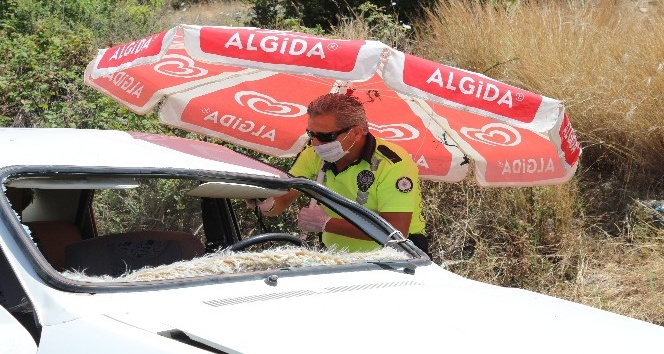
point(364, 180)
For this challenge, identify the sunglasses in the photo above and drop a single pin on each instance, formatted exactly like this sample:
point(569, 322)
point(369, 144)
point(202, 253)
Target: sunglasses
point(327, 137)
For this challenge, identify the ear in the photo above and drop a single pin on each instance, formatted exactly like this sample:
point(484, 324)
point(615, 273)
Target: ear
point(357, 131)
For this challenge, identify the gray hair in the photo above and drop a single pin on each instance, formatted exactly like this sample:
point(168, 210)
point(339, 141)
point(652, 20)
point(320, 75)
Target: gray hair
point(347, 110)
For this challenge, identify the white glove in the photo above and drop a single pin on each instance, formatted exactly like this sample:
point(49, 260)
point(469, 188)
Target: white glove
point(264, 206)
point(312, 219)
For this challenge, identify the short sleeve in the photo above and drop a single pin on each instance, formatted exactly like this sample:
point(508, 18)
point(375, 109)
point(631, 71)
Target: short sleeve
point(306, 164)
point(399, 188)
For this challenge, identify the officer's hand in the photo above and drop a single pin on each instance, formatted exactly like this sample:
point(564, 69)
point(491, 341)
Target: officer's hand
point(264, 206)
point(312, 219)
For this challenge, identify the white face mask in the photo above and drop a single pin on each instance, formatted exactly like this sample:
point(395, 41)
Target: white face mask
point(332, 151)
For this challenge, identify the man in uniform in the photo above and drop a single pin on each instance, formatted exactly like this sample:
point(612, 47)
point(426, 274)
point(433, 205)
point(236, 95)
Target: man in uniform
point(352, 162)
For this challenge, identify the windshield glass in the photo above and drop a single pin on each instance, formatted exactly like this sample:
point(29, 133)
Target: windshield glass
point(144, 227)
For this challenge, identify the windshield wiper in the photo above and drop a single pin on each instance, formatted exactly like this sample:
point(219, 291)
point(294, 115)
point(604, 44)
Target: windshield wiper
point(406, 265)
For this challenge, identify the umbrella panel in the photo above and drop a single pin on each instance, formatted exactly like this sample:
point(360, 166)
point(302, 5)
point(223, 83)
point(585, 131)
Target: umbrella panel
point(261, 110)
point(400, 119)
point(504, 155)
point(141, 88)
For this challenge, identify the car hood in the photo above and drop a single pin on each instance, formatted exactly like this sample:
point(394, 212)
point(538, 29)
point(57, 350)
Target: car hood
point(392, 312)
point(93, 148)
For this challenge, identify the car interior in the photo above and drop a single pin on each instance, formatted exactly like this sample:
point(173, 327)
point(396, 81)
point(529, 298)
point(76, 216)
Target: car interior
point(110, 226)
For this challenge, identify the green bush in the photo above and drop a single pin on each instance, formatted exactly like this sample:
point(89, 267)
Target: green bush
point(45, 47)
point(370, 21)
point(325, 13)
point(41, 73)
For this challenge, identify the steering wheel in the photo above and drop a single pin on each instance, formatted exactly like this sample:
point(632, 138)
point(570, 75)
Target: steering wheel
point(262, 238)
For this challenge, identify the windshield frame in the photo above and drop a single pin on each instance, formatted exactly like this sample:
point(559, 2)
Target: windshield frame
point(375, 226)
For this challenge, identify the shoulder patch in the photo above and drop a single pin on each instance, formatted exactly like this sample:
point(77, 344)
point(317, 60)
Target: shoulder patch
point(388, 153)
point(404, 184)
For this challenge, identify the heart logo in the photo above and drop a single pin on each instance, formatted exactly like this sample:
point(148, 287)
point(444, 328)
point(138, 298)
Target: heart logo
point(395, 132)
point(179, 66)
point(494, 134)
point(265, 104)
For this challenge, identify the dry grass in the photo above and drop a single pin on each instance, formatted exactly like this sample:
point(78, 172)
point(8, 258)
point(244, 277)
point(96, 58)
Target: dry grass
point(228, 262)
point(523, 237)
point(221, 13)
point(621, 277)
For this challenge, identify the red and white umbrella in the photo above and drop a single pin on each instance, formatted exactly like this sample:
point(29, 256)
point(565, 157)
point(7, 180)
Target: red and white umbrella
point(251, 87)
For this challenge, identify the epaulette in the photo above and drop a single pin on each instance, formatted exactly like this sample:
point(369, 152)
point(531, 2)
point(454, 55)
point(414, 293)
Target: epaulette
point(388, 153)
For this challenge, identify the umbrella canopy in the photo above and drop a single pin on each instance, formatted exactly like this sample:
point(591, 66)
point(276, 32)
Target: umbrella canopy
point(251, 87)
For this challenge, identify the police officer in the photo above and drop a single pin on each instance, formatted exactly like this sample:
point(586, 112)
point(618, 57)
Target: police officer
point(352, 162)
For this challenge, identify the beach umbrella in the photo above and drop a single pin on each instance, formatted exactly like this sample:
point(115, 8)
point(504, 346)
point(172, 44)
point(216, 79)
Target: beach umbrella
point(251, 87)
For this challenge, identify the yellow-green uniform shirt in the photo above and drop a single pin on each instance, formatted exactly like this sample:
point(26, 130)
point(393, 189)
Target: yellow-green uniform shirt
point(383, 179)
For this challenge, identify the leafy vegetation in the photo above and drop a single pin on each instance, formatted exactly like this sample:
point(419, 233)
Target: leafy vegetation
point(46, 46)
point(597, 240)
point(326, 14)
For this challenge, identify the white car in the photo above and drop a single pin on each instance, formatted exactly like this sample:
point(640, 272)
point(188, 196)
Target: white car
point(117, 242)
